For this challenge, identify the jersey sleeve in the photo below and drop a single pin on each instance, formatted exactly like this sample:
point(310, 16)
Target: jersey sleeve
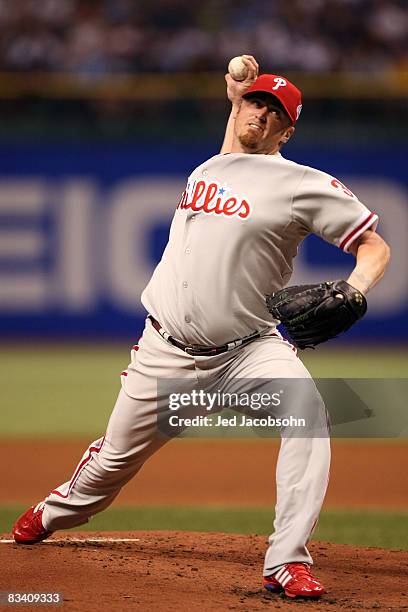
point(323, 205)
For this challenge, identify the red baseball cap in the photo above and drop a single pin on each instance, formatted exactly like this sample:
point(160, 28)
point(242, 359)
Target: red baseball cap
point(288, 95)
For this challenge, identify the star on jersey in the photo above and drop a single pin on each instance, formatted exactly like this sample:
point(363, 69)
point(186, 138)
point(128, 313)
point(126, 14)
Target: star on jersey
point(209, 196)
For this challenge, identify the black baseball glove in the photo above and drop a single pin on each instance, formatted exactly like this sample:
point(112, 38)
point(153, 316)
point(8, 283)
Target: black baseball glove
point(313, 314)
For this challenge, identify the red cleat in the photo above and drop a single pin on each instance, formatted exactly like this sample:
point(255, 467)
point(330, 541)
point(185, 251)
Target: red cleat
point(295, 580)
point(28, 529)
point(271, 584)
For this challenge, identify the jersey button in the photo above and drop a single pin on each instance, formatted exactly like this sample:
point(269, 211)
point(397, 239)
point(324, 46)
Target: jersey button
point(187, 319)
point(185, 284)
point(205, 172)
point(187, 251)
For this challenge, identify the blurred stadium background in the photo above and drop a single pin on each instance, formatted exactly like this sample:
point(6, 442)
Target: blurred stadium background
point(107, 106)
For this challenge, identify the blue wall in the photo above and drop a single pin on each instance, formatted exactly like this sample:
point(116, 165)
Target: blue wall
point(81, 228)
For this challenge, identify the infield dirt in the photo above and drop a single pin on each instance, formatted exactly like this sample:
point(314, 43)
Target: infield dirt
point(177, 571)
point(171, 571)
point(225, 472)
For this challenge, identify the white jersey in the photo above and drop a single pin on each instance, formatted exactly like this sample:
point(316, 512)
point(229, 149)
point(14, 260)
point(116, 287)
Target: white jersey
point(233, 238)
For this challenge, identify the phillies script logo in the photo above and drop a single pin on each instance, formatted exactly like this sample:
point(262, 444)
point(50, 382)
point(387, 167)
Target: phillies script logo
point(212, 197)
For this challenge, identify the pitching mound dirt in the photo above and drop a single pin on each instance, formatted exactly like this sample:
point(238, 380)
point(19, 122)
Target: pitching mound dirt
point(170, 571)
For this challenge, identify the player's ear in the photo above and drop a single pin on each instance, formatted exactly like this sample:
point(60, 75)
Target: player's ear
point(287, 135)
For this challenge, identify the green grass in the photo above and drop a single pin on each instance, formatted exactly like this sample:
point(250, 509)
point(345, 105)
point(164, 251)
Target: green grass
point(369, 362)
point(65, 390)
point(69, 390)
point(362, 528)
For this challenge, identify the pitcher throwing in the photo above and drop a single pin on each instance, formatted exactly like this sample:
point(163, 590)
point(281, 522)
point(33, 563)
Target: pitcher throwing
point(235, 232)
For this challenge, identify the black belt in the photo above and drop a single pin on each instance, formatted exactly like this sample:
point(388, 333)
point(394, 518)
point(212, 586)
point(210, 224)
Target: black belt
point(199, 349)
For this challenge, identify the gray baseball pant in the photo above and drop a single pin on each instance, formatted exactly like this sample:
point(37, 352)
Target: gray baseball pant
point(133, 435)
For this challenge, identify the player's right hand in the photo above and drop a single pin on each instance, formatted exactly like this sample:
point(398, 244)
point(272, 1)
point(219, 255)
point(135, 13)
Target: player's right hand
point(236, 89)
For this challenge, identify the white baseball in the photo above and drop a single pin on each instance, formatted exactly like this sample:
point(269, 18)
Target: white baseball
point(237, 69)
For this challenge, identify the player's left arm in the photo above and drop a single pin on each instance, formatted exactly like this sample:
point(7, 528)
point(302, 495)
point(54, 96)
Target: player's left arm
point(372, 255)
point(323, 205)
point(313, 314)
point(235, 91)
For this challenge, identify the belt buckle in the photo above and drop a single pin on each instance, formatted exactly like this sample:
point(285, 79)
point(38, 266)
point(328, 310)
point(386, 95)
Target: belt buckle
point(189, 348)
point(199, 348)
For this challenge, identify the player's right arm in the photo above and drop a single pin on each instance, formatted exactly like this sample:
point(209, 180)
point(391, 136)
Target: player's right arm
point(235, 91)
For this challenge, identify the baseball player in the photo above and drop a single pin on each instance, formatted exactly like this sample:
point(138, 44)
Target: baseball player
point(235, 232)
